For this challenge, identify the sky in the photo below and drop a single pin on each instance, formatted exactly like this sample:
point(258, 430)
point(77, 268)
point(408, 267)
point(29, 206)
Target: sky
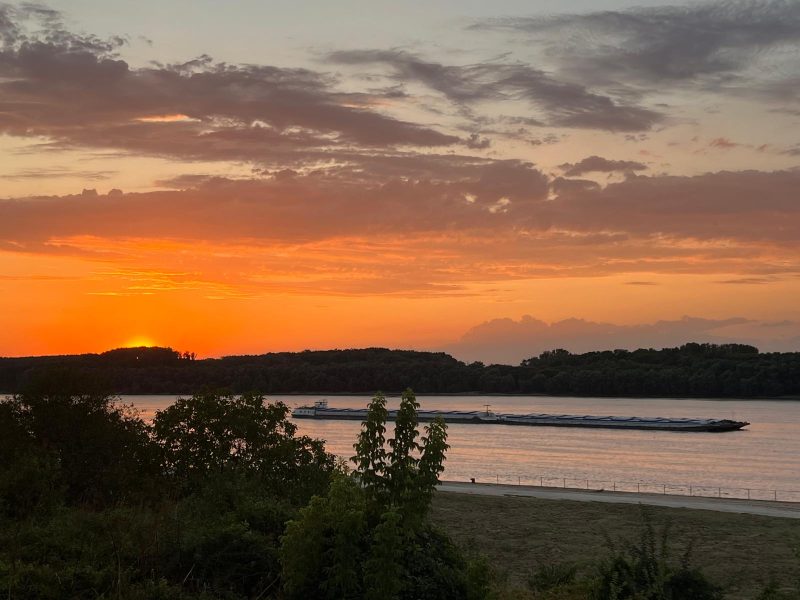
point(490, 179)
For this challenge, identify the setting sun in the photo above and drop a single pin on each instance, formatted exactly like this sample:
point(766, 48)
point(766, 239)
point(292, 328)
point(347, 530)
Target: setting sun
point(139, 342)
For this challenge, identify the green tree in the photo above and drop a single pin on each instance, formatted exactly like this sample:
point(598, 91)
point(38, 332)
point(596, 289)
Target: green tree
point(382, 570)
point(401, 469)
point(369, 537)
point(322, 552)
point(370, 458)
point(404, 478)
point(212, 433)
point(77, 439)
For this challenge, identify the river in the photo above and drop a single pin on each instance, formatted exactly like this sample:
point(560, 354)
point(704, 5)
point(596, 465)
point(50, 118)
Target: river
point(763, 457)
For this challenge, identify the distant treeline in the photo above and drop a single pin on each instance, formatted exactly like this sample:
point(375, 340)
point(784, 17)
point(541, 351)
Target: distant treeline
point(694, 370)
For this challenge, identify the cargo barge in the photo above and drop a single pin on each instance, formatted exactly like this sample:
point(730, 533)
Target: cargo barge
point(321, 410)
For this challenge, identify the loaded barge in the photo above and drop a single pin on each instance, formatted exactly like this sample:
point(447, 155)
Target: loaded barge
point(321, 410)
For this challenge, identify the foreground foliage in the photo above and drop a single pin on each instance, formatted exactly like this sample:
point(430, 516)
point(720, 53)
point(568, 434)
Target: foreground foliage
point(643, 569)
point(221, 498)
point(96, 503)
point(370, 536)
point(218, 498)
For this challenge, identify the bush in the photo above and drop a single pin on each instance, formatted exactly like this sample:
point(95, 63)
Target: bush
point(83, 446)
point(214, 433)
point(93, 504)
point(643, 570)
point(369, 537)
point(548, 577)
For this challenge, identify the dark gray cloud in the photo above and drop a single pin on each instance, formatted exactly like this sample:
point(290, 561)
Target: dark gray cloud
point(476, 142)
point(713, 42)
point(598, 164)
point(564, 186)
point(511, 341)
point(566, 104)
point(743, 205)
point(76, 91)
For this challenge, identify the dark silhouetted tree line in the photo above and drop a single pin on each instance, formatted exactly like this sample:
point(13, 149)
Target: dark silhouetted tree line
point(699, 370)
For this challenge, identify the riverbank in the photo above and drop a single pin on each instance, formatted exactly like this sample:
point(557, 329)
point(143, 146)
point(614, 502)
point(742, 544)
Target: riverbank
point(785, 510)
point(742, 552)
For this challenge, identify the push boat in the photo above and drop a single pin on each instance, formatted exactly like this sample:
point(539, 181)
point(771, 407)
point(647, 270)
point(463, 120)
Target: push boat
point(321, 410)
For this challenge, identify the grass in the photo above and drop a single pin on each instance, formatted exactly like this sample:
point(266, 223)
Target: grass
point(740, 552)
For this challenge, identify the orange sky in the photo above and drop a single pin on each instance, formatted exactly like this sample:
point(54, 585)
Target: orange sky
point(398, 194)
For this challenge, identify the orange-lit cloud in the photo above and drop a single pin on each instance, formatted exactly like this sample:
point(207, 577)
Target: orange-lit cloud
point(174, 118)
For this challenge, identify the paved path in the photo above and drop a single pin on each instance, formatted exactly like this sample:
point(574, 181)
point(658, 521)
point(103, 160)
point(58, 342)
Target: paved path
point(753, 507)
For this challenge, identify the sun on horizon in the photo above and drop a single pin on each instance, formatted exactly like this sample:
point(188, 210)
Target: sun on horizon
point(140, 341)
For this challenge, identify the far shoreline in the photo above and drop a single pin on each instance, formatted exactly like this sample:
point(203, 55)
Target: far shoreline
point(393, 394)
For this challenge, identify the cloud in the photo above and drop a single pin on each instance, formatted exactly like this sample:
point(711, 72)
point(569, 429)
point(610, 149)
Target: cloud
point(723, 143)
point(748, 281)
point(331, 169)
point(565, 103)
point(599, 164)
point(741, 205)
point(493, 219)
point(76, 91)
point(476, 142)
point(57, 173)
point(666, 43)
point(278, 207)
point(511, 341)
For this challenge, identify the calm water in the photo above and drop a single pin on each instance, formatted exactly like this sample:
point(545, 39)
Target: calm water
point(766, 455)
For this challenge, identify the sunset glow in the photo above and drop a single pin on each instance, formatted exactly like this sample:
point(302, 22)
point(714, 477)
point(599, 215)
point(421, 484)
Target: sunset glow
point(290, 186)
point(139, 342)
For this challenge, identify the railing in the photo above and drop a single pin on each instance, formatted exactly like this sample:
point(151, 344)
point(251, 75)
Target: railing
point(642, 487)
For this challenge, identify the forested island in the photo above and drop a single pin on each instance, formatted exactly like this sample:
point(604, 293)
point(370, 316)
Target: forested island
point(691, 370)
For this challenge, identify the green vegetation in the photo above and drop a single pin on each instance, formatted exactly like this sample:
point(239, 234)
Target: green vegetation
point(693, 370)
point(558, 548)
point(96, 503)
point(370, 537)
point(219, 497)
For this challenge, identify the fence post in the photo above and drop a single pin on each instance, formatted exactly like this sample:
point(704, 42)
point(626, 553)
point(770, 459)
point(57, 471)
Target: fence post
point(748, 493)
point(498, 479)
point(776, 495)
point(565, 482)
point(637, 488)
point(665, 489)
point(615, 485)
point(690, 491)
point(519, 480)
point(587, 484)
point(541, 481)
point(719, 492)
